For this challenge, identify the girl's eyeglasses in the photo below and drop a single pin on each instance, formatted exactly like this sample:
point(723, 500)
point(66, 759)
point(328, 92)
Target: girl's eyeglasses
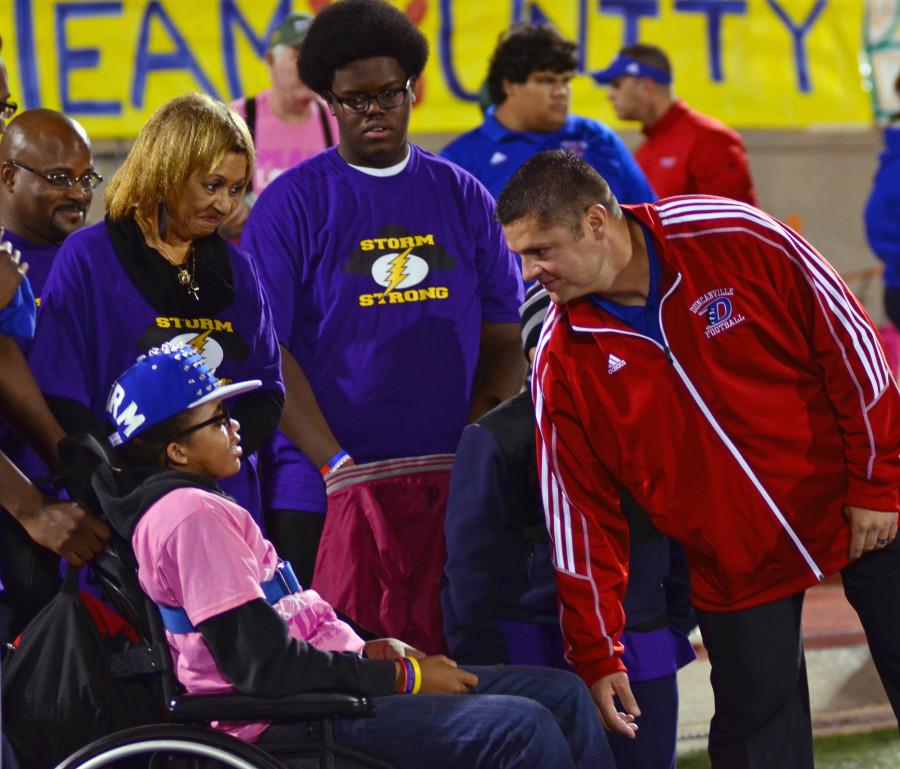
point(220, 419)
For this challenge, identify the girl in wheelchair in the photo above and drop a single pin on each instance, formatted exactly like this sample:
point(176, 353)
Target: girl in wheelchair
point(237, 620)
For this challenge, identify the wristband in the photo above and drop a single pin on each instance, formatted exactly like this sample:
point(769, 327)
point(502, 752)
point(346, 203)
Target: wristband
point(402, 689)
point(338, 460)
point(417, 671)
point(409, 676)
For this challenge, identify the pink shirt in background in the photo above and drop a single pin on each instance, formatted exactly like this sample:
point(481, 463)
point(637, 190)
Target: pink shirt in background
point(204, 553)
point(280, 146)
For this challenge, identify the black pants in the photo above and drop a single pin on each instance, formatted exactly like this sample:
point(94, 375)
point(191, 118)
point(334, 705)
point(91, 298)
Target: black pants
point(296, 535)
point(762, 717)
point(872, 585)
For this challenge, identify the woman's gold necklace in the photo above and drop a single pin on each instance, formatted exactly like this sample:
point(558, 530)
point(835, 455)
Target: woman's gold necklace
point(187, 271)
point(186, 277)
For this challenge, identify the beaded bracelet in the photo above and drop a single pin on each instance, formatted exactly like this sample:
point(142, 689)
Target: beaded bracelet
point(417, 674)
point(338, 460)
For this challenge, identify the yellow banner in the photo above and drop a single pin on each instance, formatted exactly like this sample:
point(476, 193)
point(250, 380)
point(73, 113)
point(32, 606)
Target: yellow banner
point(752, 63)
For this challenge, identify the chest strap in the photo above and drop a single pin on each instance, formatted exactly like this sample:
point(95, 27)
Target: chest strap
point(284, 582)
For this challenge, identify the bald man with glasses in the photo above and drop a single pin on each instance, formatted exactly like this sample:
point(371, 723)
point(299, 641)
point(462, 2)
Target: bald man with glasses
point(47, 180)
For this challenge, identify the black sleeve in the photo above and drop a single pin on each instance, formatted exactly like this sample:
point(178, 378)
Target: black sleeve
point(259, 413)
point(75, 417)
point(362, 632)
point(253, 650)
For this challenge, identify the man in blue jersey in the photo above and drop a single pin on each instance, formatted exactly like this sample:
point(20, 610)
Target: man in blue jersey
point(529, 84)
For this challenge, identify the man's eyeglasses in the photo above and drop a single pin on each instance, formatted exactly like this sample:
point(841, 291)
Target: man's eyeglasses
point(63, 180)
point(220, 419)
point(8, 109)
point(358, 104)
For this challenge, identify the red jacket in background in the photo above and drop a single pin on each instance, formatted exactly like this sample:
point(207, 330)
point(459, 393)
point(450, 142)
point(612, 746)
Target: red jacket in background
point(686, 152)
point(769, 409)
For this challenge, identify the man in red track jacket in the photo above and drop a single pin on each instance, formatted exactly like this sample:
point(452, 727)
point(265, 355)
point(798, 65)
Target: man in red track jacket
point(706, 358)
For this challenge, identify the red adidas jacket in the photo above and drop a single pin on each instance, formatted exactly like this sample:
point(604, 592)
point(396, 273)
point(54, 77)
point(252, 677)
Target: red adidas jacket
point(769, 409)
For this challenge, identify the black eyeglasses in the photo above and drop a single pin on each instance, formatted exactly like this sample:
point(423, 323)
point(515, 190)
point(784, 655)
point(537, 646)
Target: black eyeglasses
point(358, 104)
point(63, 180)
point(220, 419)
point(8, 109)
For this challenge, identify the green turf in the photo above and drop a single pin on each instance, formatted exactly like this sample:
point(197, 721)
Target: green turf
point(878, 750)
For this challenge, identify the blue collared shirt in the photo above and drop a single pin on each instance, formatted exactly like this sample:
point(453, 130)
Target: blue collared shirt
point(492, 153)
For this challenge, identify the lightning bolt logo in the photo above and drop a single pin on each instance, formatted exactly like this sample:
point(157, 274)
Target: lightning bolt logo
point(398, 273)
point(199, 342)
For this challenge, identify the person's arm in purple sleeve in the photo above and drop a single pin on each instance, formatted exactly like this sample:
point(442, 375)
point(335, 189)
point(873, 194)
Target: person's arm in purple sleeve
point(501, 369)
point(302, 420)
point(63, 527)
point(260, 411)
point(268, 235)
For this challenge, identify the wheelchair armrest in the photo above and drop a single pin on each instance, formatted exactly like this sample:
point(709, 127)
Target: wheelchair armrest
point(241, 707)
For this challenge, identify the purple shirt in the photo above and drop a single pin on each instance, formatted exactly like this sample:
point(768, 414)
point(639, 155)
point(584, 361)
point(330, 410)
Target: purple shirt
point(379, 287)
point(94, 322)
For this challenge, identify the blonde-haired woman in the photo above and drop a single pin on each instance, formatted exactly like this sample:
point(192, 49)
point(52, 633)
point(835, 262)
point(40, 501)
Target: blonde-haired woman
point(156, 271)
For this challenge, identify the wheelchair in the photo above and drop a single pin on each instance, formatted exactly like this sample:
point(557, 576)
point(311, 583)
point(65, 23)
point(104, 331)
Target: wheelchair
point(183, 738)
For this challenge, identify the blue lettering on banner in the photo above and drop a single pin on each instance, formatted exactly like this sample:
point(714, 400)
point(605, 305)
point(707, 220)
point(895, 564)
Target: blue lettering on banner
point(537, 15)
point(445, 48)
point(229, 16)
point(798, 35)
point(714, 10)
point(69, 59)
point(28, 75)
point(180, 59)
point(631, 11)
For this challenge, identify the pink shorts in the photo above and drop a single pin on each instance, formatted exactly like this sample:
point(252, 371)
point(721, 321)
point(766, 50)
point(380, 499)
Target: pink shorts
point(382, 551)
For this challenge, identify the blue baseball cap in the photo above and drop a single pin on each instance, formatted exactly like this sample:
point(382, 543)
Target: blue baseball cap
point(163, 383)
point(625, 66)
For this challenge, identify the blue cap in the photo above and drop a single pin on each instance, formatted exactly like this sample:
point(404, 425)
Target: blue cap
point(168, 380)
point(625, 66)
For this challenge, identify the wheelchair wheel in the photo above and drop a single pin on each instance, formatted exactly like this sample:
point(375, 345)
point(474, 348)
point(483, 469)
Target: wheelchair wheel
point(152, 746)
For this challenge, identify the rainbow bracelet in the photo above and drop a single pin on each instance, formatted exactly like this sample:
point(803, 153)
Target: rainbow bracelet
point(338, 460)
point(409, 676)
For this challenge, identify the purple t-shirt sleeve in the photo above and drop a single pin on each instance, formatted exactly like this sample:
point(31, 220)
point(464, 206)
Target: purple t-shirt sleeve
point(60, 354)
point(264, 362)
point(499, 276)
point(271, 237)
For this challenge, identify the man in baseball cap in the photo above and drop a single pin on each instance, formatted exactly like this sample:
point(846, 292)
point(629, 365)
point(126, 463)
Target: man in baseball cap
point(684, 152)
point(288, 122)
point(291, 31)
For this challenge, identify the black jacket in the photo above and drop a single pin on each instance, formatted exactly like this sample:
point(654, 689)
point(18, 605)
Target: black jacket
point(250, 643)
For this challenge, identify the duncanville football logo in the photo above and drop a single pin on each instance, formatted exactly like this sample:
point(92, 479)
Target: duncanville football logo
point(717, 306)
